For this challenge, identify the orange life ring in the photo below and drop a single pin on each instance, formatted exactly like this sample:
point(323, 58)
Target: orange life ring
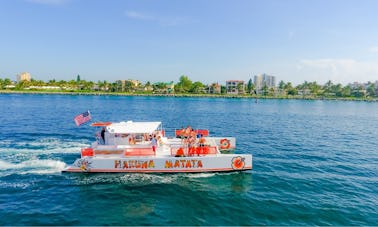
point(180, 152)
point(237, 162)
point(224, 144)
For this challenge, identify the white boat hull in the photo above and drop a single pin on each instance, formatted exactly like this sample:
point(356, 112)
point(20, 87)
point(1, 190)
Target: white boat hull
point(148, 164)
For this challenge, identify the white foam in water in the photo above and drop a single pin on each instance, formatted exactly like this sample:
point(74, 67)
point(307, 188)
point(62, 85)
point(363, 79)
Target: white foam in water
point(14, 185)
point(45, 146)
point(129, 178)
point(35, 166)
point(6, 165)
point(200, 175)
point(53, 164)
point(5, 142)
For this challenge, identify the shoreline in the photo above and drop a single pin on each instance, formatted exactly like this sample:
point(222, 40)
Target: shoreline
point(187, 95)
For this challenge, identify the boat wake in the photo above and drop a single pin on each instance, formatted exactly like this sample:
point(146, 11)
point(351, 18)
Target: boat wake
point(51, 145)
point(34, 166)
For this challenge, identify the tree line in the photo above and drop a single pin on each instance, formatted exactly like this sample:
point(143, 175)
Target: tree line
point(187, 86)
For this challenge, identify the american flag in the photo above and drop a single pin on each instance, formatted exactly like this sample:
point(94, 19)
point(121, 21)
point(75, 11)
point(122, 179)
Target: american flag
point(82, 118)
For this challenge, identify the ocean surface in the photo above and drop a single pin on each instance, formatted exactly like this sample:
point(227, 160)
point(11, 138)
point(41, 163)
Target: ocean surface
point(314, 163)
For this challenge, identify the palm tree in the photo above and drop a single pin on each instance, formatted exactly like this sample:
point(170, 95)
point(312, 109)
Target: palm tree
point(371, 89)
point(314, 88)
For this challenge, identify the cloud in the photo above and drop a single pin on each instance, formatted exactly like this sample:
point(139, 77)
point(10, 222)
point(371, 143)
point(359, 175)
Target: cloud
point(164, 21)
point(342, 71)
point(374, 49)
point(48, 2)
point(138, 15)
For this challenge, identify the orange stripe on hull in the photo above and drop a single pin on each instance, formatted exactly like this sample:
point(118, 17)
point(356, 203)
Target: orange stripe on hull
point(157, 171)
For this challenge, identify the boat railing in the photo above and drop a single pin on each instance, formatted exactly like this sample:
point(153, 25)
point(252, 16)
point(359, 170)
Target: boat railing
point(193, 151)
point(139, 151)
point(114, 150)
point(108, 152)
point(180, 133)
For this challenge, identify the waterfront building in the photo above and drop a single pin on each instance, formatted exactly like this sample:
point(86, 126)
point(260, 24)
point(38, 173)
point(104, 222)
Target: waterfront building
point(264, 80)
point(355, 85)
point(44, 88)
point(126, 85)
point(23, 76)
point(235, 87)
point(163, 88)
point(214, 88)
point(170, 87)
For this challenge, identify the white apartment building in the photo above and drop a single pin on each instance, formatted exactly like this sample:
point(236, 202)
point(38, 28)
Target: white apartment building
point(23, 76)
point(235, 87)
point(263, 79)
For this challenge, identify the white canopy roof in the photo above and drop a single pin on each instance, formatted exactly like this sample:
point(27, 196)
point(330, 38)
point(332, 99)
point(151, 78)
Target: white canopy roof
point(133, 127)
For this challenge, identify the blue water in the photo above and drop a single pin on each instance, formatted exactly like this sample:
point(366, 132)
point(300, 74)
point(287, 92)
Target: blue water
point(314, 163)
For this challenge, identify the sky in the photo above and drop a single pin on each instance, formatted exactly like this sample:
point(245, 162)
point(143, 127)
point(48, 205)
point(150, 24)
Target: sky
point(206, 40)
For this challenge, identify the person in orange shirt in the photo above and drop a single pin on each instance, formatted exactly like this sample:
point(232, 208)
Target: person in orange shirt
point(202, 141)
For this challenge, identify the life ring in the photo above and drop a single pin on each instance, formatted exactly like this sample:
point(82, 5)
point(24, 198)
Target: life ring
point(237, 163)
point(225, 144)
point(180, 152)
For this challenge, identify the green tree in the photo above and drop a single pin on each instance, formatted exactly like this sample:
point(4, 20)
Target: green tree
point(159, 87)
point(223, 89)
point(129, 86)
point(314, 88)
point(103, 85)
point(371, 89)
point(281, 85)
point(86, 85)
point(337, 90)
point(328, 87)
point(290, 89)
point(271, 91)
point(73, 85)
point(62, 84)
point(6, 82)
point(23, 84)
point(184, 84)
point(250, 86)
point(197, 87)
point(358, 92)
point(241, 88)
point(52, 82)
point(346, 91)
point(265, 89)
point(37, 82)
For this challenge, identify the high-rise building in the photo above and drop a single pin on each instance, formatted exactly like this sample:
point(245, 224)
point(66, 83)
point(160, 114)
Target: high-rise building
point(23, 76)
point(263, 79)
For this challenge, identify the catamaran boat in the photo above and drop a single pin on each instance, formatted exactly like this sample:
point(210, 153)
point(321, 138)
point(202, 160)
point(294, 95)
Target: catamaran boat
point(143, 147)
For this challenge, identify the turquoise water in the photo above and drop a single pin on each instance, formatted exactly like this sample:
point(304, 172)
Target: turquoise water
point(314, 163)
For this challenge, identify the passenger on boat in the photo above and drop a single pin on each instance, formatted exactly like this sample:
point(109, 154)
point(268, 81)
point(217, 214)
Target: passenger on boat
point(187, 131)
point(159, 140)
point(202, 141)
point(191, 141)
point(154, 143)
point(146, 137)
point(103, 135)
point(193, 134)
point(132, 140)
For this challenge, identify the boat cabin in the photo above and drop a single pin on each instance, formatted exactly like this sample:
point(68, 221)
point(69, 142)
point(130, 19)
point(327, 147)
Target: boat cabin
point(128, 133)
